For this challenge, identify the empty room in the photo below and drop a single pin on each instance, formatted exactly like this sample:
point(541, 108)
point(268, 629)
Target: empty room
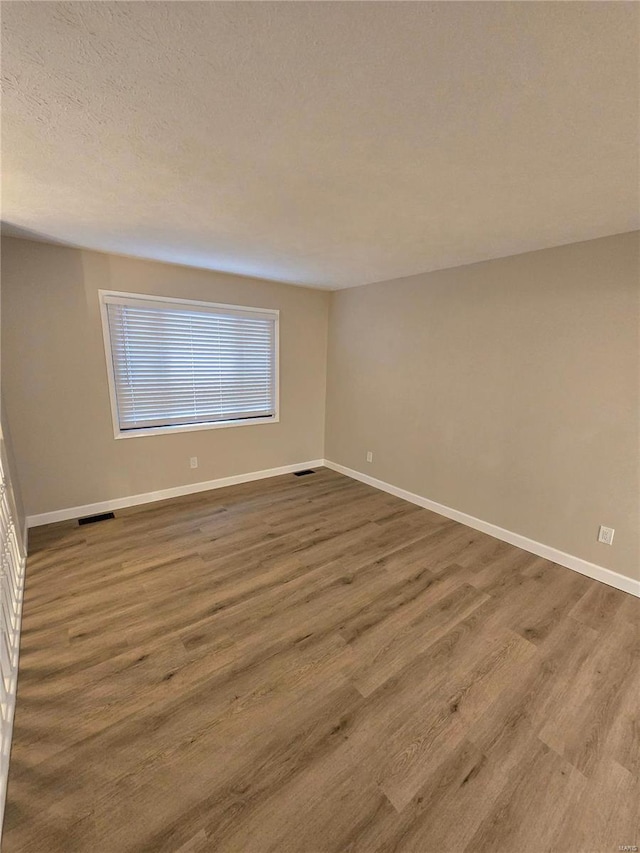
point(320, 427)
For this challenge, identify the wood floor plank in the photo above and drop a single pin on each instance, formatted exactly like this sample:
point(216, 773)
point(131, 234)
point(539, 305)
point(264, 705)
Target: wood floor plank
point(542, 783)
point(308, 665)
point(579, 729)
point(605, 814)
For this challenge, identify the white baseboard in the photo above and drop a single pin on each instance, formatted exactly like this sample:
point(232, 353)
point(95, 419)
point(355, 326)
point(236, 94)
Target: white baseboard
point(591, 570)
point(163, 494)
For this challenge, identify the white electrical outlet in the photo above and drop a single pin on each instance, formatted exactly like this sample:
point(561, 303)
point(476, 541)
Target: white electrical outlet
point(605, 534)
point(193, 461)
point(369, 456)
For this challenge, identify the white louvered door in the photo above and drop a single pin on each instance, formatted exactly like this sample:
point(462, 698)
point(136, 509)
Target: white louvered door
point(11, 590)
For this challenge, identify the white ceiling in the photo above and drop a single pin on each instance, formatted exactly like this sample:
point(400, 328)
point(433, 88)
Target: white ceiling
point(328, 144)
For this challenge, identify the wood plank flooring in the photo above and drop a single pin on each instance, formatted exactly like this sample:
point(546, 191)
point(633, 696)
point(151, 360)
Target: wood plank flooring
point(305, 665)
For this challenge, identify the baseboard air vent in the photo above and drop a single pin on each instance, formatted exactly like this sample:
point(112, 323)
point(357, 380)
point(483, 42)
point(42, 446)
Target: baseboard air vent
point(91, 519)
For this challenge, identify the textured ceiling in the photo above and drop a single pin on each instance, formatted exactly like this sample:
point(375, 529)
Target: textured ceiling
point(327, 144)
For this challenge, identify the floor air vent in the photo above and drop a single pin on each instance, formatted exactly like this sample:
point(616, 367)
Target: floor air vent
point(303, 473)
point(91, 519)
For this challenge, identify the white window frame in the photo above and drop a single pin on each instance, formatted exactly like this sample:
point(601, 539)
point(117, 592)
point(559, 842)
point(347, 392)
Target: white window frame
point(272, 313)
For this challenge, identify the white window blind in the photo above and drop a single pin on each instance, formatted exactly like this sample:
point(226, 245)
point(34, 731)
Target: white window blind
point(176, 363)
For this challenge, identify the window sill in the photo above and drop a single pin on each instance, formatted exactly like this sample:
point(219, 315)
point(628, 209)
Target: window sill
point(169, 430)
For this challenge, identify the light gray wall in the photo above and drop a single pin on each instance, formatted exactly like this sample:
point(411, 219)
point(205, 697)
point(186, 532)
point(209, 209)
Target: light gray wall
point(508, 390)
point(56, 389)
point(11, 474)
point(6, 451)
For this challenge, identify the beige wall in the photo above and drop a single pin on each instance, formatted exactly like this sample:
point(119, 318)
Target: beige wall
point(11, 476)
point(55, 380)
point(8, 458)
point(507, 390)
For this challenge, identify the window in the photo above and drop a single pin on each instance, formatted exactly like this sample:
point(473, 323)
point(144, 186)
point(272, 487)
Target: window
point(178, 365)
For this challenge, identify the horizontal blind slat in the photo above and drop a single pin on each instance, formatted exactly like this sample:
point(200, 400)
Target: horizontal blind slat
point(176, 366)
